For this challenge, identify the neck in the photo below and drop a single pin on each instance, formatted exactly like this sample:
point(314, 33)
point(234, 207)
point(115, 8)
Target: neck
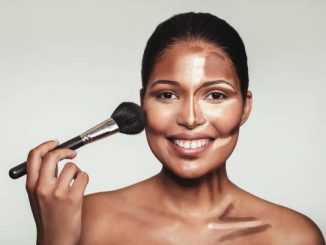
point(194, 196)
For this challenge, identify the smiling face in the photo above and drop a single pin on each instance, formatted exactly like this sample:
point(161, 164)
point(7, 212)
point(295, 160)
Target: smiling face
point(194, 109)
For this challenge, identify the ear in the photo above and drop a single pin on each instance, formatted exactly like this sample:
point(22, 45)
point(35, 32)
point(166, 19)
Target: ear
point(141, 96)
point(246, 108)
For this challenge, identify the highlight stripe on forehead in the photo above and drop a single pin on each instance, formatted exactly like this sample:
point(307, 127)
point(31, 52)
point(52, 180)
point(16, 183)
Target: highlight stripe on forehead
point(205, 84)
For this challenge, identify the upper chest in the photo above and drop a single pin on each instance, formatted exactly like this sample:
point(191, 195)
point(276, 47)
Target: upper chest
point(140, 228)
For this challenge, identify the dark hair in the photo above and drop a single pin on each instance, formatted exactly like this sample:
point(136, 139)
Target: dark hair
point(190, 27)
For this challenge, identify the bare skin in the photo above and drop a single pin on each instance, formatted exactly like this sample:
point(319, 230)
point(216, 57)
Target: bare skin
point(56, 203)
point(195, 110)
point(140, 215)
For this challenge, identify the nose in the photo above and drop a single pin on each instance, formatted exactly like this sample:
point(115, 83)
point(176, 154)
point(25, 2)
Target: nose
point(190, 114)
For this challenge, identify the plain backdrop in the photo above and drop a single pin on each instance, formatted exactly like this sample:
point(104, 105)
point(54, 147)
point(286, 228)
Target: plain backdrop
point(66, 65)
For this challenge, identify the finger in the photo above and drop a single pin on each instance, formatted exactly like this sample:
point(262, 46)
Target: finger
point(34, 162)
point(79, 186)
point(68, 173)
point(56, 171)
point(50, 160)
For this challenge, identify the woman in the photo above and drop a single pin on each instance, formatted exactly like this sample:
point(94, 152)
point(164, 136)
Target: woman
point(195, 94)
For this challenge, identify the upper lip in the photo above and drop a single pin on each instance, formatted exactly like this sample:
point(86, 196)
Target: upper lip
point(190, 136)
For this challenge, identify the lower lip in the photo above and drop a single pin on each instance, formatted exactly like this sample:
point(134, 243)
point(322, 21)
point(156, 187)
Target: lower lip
point(189, 152)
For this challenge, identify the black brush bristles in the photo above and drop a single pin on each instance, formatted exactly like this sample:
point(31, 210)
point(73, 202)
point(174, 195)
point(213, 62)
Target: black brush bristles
point(130, 117)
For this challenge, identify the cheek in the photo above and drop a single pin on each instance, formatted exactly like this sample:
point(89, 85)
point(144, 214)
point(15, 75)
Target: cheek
point(160, 117)
point(225, 117)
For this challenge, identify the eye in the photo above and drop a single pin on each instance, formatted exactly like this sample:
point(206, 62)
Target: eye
point(166, 95)
point(216, 96)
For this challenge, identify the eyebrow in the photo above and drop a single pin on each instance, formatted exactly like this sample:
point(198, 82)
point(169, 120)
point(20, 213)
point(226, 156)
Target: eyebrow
point(205, 84)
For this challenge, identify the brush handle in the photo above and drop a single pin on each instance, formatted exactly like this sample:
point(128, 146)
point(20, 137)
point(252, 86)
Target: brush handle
point(73, 144)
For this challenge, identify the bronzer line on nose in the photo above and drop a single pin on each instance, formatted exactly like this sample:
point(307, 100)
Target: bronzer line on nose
point(188, 114)
point(193, 114)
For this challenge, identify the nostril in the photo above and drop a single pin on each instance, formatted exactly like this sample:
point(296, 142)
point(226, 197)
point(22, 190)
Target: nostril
point(190, 115)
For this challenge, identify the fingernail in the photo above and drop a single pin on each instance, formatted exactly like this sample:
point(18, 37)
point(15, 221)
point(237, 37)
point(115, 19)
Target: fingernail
point(55, 140)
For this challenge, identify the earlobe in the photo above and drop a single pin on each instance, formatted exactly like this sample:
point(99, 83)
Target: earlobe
point(247, 108)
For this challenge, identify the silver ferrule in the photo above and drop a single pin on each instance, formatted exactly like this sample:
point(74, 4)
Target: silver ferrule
point(104, 129)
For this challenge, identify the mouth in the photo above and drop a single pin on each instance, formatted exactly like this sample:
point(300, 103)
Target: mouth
point(190, 145)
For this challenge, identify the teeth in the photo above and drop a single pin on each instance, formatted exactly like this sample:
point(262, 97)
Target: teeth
point(191, 144)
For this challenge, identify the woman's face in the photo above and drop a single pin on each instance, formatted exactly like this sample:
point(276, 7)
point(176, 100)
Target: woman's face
point(194, 109)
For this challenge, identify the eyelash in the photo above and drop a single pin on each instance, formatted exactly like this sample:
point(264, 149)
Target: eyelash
point(219, 93)
point(160, 95)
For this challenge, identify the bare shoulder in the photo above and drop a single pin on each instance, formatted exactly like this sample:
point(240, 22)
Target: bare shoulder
point(104, 214)
point(283, 225)
point(295, 228)
point(97, 216)
point(286, 225)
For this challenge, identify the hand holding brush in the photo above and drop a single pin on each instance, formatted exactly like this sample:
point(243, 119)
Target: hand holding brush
point(56, 201)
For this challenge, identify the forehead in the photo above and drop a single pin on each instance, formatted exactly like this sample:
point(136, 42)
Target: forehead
point(184, 62)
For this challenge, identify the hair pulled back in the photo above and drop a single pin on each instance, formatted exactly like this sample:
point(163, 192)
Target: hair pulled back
point(189, 27)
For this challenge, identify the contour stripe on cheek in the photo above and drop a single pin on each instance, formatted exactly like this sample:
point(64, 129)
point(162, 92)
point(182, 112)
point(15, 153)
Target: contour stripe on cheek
point(222, 141)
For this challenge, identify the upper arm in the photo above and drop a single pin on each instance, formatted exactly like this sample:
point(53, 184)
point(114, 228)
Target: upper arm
point(94, 221)
point(89, 221)
point(304, 232)
point(310, 234)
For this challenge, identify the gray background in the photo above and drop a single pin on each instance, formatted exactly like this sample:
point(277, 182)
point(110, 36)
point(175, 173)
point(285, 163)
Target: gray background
point(66, 65)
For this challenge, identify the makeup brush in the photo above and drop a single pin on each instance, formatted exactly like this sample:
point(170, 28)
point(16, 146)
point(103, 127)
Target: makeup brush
point(127, 118)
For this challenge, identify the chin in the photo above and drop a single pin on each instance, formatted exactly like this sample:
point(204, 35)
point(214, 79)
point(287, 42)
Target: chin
point(189, 170)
